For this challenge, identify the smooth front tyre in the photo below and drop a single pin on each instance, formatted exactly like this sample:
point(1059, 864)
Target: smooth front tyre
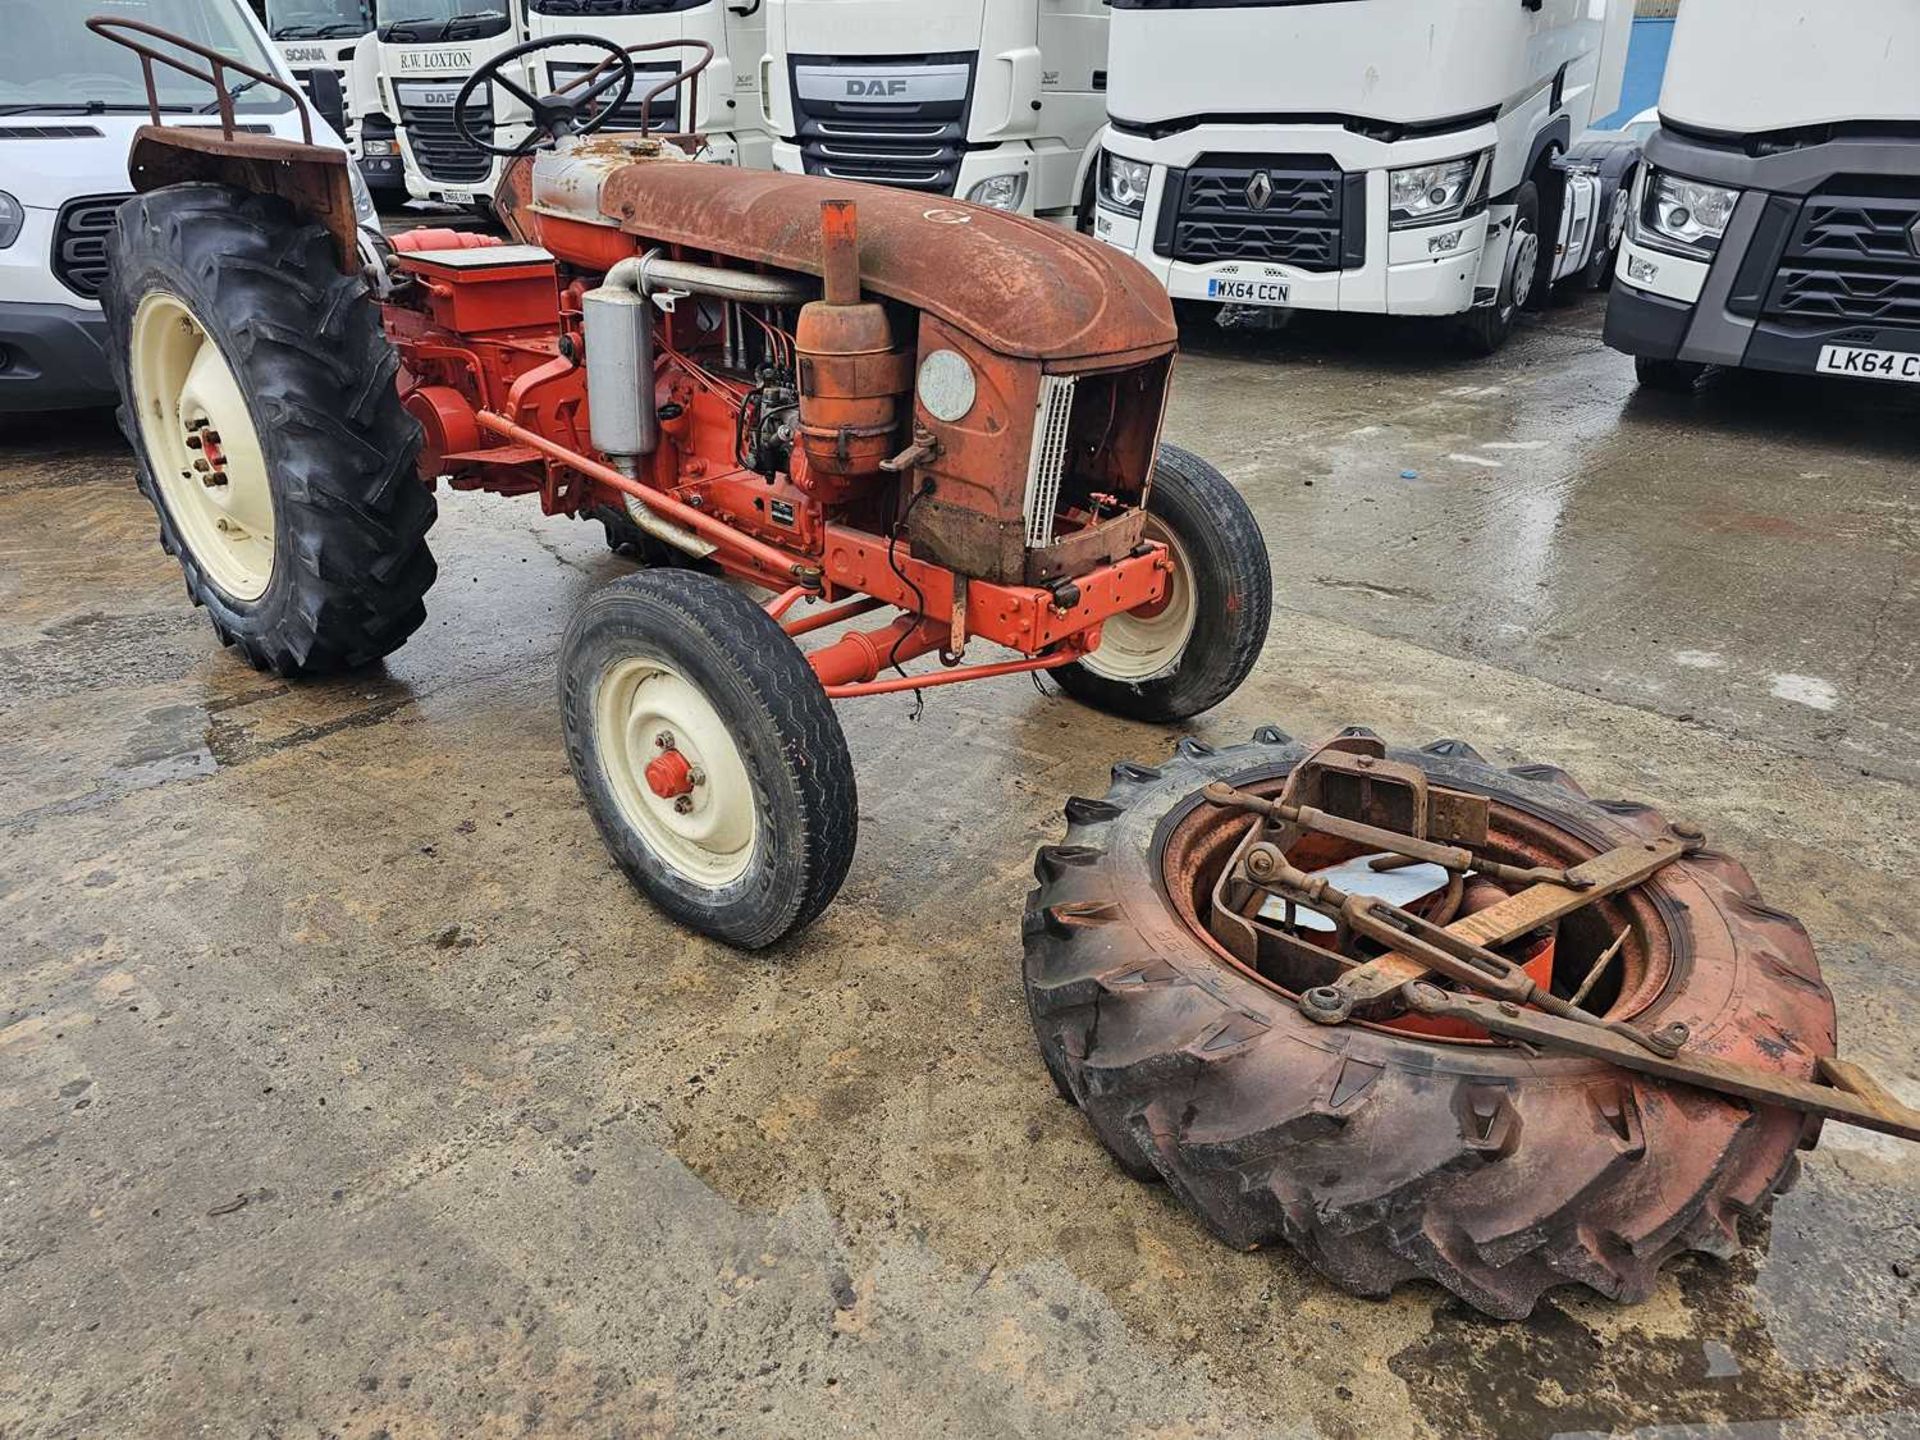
point(1191, 650)
point(709, 756)
point(258, 390)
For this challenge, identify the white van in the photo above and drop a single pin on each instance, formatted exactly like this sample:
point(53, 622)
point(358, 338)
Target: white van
point(70, 103)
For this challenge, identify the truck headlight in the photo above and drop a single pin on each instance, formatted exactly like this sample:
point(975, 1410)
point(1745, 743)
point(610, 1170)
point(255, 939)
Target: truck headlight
point(1000, 192)
point(1688, 215)
point(1123, 183)
point(1435, 194)
point(13, 218)
point(379, 149)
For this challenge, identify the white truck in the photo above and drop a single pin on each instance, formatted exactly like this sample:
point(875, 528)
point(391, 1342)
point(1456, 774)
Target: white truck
point(68, 114)
point(1383, 156)
point(993, 101)
point(428, 48)
point(1776, 221)
point(338, 36)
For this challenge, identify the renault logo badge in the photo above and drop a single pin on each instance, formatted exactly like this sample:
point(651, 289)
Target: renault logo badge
point(1260, 190)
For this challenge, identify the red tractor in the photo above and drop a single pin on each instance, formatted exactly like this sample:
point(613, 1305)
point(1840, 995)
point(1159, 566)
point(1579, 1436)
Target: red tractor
point(856, 399)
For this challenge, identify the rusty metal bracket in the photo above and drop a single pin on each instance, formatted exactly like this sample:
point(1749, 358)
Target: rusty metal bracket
point(1850, 1095)
point(1442, 951)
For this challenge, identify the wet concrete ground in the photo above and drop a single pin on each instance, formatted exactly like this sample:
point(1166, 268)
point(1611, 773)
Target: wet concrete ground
point(346, 1089)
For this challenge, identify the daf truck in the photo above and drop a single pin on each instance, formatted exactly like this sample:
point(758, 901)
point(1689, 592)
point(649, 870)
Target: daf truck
point(338, 36)
point(993, 101)
point(428, 49)
point(1775, 223)
point(1389, 157)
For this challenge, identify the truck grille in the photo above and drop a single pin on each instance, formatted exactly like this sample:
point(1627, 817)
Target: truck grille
point(912, 144)
point(80, 242)
point(437, 147)
point(1853, 257)
point(1294, 210)
point(1872, 296)
point(662, 117)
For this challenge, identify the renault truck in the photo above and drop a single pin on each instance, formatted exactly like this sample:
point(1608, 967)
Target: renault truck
point(337, 37)
point(430, 47)
point(993, 101)
point(1775, 223)
point(1390, 157)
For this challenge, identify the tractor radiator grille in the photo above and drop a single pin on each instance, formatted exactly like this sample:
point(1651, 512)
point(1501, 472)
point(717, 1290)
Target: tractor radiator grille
point(442, 155)
point(1049, 464)
point(80, 243)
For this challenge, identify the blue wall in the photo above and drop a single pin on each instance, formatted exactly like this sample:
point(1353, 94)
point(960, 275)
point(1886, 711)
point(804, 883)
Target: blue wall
point(1646, 67)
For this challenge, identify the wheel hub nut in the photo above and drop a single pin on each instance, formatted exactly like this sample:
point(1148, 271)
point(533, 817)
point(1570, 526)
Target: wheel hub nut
point(670, 777)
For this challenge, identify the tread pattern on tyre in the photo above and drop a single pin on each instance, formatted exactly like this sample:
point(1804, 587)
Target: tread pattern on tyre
point(352, 565)
point(1498, 1177)
point(816, 765)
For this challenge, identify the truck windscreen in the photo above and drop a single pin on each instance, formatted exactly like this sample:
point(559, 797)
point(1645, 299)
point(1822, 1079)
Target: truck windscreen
point(417, 22)
point(53, 64)
point(319, 19)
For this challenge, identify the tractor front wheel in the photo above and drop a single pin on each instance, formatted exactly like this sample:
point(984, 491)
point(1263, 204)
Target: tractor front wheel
point(1192, 649)
point(709, 756)
point(259, 395)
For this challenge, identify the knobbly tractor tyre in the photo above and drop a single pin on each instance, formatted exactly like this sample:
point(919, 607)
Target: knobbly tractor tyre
point(258, 392)
point(1186, 654)
point(1382, 1155)
point(709, 755)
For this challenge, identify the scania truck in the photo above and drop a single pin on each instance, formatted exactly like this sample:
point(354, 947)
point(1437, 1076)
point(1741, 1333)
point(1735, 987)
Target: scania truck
point(338, 36)
point(430, 47)
point(1775, 223)
point(1384, 156)
point(993, 101)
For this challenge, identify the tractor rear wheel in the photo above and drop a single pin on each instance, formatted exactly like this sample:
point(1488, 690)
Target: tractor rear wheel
point(259, 396)
point(1186, 654)
point(1381, 1154)
point(709, 755)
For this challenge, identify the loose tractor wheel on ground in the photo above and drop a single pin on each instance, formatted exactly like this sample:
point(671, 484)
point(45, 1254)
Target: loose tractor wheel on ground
point(859, 400)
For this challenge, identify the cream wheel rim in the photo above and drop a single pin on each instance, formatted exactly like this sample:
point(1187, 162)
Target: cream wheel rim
point(1135, 647)
point(202, 447)
point(645, 708)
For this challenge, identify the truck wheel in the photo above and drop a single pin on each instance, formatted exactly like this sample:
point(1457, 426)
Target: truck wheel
point(1671, 377)
point(709, 755)
point(259, 396)
point(1600, 272)
point(1381, 1154)
point(1192, 650)
point(1486, 328)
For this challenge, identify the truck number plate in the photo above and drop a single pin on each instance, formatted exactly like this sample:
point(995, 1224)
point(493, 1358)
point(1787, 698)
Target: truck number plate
point(1870, 364)
point(1248, 292)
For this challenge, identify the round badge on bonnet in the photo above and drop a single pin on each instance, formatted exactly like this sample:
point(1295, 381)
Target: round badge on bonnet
point(947, 386)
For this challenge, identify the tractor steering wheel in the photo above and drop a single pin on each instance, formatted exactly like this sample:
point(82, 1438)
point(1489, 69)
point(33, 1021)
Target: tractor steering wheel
point(559, 114)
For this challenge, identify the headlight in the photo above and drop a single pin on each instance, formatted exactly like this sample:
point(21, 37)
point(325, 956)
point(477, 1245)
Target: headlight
point(13, 218)
point(363, 206)
point(1687, 214)
point(1001, 192)
point(1123, 183)
point(379, 149)
point(1434, 194)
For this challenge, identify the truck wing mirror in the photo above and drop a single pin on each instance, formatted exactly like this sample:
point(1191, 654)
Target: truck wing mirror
point(329, 98)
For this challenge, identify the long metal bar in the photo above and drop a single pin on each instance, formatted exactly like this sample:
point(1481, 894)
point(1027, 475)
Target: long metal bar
point(895, 685)
point(1449, 857)
point(723, 535)
point(1875, 1109)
